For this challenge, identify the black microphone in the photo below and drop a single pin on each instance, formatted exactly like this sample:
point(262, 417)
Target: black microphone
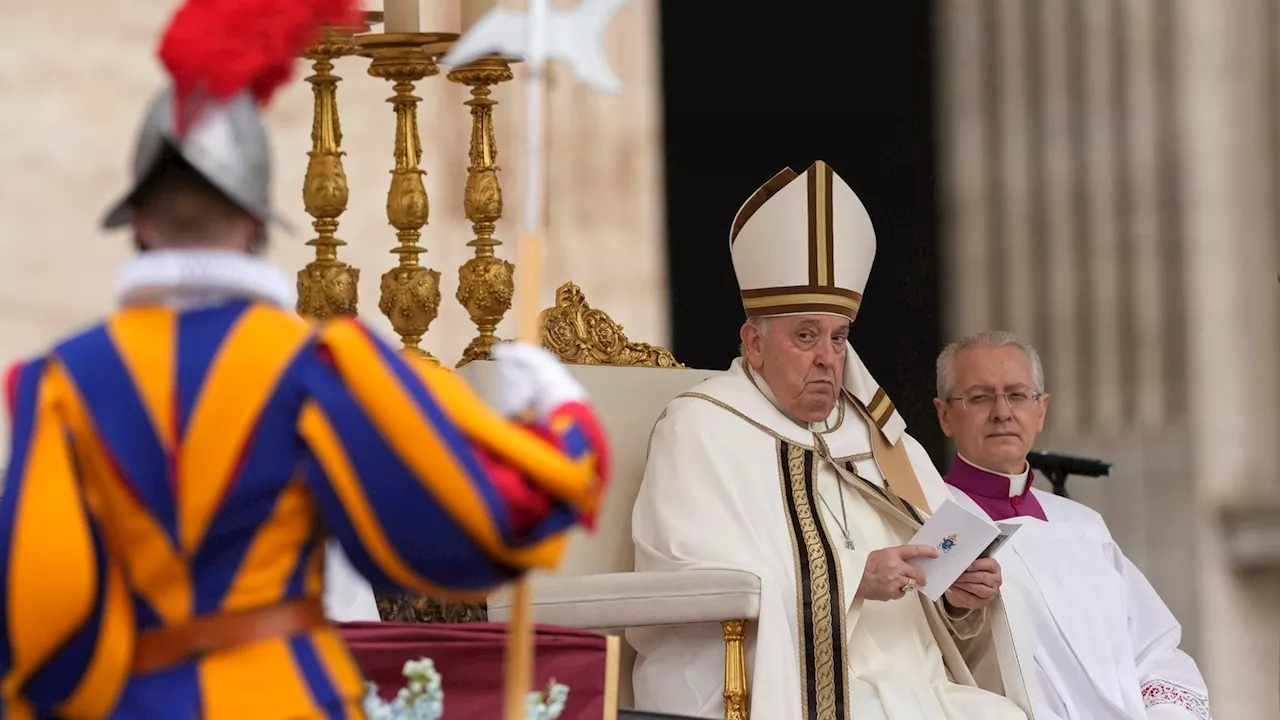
point(1058, 468)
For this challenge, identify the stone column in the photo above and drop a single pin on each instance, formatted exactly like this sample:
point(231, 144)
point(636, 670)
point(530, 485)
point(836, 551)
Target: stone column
point(1110, 174)
point(1228, 88)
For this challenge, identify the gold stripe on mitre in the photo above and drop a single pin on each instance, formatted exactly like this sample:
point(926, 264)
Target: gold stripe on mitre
point(821, 224)
point(759, 198)
point(763, 302)
point(784, 243)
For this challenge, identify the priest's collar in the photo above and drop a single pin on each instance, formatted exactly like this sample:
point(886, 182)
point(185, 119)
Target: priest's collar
point(1001, 495)
point(193, 278)
point(833, 421)
point(992, 483)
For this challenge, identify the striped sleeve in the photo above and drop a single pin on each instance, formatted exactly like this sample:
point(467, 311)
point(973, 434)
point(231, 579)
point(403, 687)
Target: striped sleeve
point(429, 490)
point(66, 622)
point(11, 379)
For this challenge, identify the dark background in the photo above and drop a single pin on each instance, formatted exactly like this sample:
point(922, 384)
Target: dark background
point(750, 92)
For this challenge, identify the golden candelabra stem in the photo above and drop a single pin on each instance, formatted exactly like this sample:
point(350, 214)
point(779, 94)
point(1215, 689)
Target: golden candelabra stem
point(485, 283)
point(326, 286)
point(410, 293)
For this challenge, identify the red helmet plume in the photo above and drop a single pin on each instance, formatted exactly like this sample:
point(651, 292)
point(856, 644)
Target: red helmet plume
point(214, 49)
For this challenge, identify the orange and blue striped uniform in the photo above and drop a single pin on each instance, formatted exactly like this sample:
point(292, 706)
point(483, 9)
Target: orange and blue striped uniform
point(174, 464)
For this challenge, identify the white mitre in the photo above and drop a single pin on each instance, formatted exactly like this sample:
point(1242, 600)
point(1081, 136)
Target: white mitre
point(804, 245)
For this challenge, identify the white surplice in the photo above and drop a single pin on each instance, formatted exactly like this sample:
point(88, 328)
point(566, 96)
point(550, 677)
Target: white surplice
point(1107, 646)
point(348, 597)
point(731, 482)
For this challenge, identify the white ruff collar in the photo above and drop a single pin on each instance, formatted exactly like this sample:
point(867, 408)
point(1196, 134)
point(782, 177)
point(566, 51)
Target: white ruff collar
point(192, 278)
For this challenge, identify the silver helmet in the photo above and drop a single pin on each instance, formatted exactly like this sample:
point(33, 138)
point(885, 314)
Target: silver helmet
point(227, 145)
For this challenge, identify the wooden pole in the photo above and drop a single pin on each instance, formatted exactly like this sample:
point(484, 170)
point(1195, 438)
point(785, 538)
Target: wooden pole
point(519, 658)
point(519, 673)
point(519, 680)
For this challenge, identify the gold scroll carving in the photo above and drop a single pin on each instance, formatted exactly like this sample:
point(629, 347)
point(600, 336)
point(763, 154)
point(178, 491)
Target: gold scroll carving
point(580, 334)
point(413, 608)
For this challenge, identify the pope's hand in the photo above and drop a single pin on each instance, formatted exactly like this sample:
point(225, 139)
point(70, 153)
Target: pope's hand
point(977, 587)
point(532, 379)
point(887, 575)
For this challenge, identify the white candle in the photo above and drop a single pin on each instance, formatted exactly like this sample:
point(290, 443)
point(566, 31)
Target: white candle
point(401, 16)
point(473, 10)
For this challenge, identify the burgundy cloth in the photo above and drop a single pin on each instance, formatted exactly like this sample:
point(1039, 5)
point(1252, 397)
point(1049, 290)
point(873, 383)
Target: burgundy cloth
point(991, 491)
point(469, 658)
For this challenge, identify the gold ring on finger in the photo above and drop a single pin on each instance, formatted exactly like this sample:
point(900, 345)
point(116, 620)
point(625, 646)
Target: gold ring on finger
point(911, 585)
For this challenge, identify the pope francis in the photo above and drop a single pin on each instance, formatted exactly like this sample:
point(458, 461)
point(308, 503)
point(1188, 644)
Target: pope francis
point(794, 465)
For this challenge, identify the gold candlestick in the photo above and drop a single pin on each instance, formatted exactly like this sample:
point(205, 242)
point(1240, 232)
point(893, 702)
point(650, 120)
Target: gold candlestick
point(326, 286)
point(485, 284)
point(410, 293)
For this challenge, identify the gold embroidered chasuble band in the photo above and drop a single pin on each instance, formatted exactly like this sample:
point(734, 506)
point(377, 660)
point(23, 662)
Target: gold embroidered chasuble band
point(820, 590)
point(820, 600)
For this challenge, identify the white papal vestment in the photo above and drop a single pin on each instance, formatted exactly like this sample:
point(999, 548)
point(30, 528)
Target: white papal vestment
point(732, 483)
point(1107, 644)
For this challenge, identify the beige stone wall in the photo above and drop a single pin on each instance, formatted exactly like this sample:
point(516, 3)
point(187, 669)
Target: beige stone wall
point(1110, 181)
point(75, 76)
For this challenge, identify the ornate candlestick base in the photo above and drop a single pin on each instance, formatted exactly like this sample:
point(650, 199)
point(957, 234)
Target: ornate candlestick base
point(485, 282)
point(326, 286)
point(410, 293)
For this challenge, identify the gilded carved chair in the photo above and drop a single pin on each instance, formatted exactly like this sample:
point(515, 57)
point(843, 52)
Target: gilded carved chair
point(596, 587)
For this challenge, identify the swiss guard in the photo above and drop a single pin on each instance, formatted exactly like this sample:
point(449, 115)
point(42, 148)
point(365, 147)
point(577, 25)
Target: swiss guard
point(177, 468)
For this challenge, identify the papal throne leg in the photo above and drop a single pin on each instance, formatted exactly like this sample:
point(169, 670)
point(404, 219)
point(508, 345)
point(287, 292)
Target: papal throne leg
point(735, 670)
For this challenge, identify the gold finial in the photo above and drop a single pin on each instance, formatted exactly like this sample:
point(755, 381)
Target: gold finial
point(485, 283)
point(410, 293)
point(326, 286)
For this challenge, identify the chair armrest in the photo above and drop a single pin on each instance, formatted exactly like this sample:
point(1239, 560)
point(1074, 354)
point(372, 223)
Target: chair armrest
point(637, 599)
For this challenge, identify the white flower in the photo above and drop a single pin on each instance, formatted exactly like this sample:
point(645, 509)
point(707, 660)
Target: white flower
point(556, 698)
point(423, 697)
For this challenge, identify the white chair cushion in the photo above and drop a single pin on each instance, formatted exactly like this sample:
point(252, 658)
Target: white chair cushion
point(637, 599)
point(628, 401)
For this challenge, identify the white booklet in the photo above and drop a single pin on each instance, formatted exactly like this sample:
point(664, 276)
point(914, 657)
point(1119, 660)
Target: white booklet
point(961, 537)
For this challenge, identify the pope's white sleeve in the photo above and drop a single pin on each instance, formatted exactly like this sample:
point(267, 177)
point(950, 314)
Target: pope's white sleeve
point(687, 514)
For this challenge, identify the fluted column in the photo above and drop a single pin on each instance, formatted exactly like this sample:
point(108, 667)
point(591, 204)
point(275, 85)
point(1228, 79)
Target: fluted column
point(965, 167)
point(1016, 186)
point(1105, 308)
point(1061, 168)
point(1145, 225)
point(1229, 138)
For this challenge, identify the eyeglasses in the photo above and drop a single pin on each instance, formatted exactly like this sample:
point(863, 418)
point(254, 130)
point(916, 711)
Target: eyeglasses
point(1018, 400)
